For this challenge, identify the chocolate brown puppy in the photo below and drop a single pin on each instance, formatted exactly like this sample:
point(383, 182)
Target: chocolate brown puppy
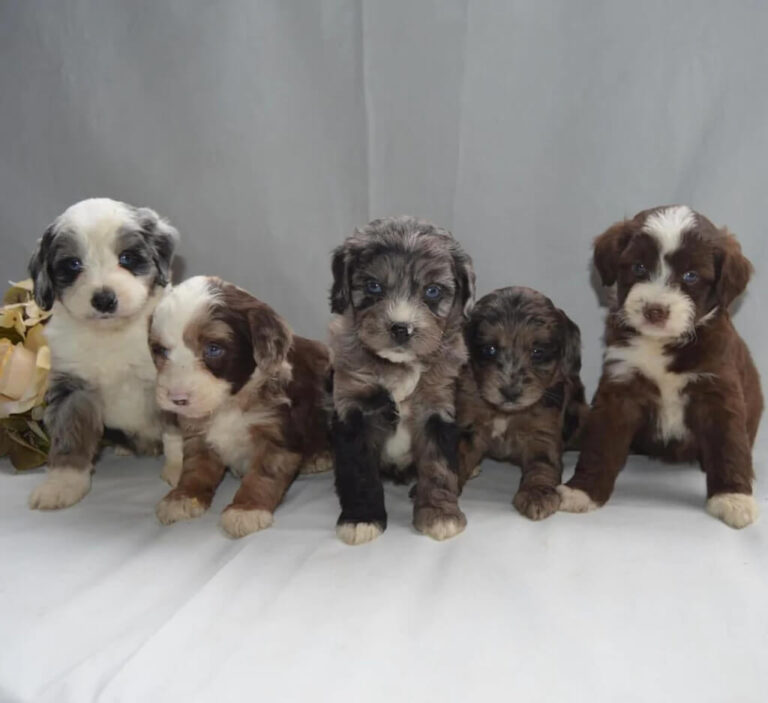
point(678, 382)
point(248, 395)
point(402, 290)
point(520, 397)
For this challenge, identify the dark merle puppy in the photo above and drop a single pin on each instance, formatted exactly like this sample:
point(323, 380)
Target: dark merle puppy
point(402, 289)
point(520, 396)
point(101, 267)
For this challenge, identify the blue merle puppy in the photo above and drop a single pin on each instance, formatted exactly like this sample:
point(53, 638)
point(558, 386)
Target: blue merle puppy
point(101, 267)
point(401, 292)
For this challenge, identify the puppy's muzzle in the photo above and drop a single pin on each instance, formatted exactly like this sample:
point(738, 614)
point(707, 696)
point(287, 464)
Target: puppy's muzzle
point(656, 314)
point(401, 332)
point(104, 300)
point(510, 393)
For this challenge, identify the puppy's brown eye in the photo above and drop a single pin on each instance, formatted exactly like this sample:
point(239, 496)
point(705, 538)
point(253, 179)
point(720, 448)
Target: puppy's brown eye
point(639, 270)
point(538, 354)
point(159, 350)
point(489, 351)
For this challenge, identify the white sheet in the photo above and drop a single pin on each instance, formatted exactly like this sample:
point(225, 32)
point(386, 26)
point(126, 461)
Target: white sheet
point(648, 599)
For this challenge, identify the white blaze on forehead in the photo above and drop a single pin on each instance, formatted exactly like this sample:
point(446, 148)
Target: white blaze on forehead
point(667, 226)
point(98, 219)
point(179, 307)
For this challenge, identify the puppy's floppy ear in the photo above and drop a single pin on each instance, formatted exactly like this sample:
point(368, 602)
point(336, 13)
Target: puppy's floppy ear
point(340, 294)
point(732, 267)
point(38, 271)
point(270, 334)
point(465, 277)
point(571, 359)
point(162, 239)
point(607, 248)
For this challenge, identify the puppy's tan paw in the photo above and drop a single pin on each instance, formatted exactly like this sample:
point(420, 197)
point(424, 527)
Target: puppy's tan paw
point(239, 522)
point(438, 524)
point(120, 450)
point(358, 532)
point(574, 500)
point(60, 489)
point(734, 509)
point(318, 463)
point(171, 472)
point(537, 502)
point(170, 510)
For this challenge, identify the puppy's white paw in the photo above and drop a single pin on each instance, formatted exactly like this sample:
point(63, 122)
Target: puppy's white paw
point(444, 529)
point(61, 488)
point(237, 522)
point(574, 500)
point(170, 510)
point(734, 509)
point(358, 532)
point(171, 472)
point(120, 450)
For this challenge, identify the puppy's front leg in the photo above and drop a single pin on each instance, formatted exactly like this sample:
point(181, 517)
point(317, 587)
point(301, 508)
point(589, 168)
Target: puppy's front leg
point(610, 428)
point(201, 473)
point(542, 468)
point(471, 452)
point(173, 450)
point(74, 420)
point(726, 458)
point(261, 491)
point(358, 437)
point(436, 503)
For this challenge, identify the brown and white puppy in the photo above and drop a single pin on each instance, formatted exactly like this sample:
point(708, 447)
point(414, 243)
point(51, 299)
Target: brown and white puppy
point(402, 289)
point(248, 396)
point(520, 397)
point(678, 382)
point(100, 267)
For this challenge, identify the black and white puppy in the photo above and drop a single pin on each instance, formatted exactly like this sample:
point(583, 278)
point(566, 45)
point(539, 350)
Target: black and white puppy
point(101, 267)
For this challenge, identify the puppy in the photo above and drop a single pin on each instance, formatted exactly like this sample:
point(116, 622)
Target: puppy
point(520, 398)
point(678, 382)
point(101, 266)
point(402, 288)
point(248, 395)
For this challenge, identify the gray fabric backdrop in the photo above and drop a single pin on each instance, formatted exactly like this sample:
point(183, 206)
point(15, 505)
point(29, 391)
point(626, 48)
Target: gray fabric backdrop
point(267, 130)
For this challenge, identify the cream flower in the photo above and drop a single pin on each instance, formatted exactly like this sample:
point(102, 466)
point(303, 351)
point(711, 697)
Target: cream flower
point(23, 377)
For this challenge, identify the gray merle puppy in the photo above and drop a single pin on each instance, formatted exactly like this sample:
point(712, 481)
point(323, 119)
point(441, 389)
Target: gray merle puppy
point(101, 267)
point(401, 292)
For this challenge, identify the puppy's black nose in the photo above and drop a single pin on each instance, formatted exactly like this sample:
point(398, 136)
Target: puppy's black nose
point(104, 300)
point(511, 393)
point(400, 332)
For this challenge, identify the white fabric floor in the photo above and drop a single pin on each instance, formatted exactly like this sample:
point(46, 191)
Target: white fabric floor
point(648, 599)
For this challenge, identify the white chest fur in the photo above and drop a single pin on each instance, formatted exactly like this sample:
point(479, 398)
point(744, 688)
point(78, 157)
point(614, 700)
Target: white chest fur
point(397, 449)
point(116, 362)
point(231, 435)
point(645, 356)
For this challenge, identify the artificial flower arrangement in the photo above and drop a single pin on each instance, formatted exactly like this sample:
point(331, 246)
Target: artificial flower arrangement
point(25, 362)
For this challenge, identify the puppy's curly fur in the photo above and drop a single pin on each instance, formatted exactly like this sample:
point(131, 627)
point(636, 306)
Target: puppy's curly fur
point(678, 382)
point(402, 289)
point(100, 267)
point(249, 395)
point(520, 397)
